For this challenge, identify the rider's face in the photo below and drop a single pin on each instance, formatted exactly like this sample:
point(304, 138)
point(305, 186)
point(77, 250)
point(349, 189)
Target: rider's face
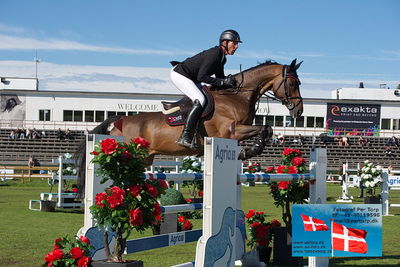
point(232, 46)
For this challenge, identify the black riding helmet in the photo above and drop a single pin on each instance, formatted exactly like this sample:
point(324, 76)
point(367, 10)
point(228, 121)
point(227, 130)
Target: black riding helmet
point(229, 35)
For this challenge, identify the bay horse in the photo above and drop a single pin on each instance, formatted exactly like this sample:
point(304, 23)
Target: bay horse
point(232, 117)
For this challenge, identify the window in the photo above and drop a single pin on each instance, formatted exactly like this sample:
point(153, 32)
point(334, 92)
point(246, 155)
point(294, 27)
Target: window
point(385, 124)
point(259, 120)
point(44, 114)
point(395, 124)
point(111, 114)
point(278, 120)
point(289, 121)
point(300, 122)
point(99, 115)
point(121, 113)
point(89, 115)
point(78, 115)
point(67, 116)
point(130, 113)
point(319, 122)
point(310, 122)
point(270, 120)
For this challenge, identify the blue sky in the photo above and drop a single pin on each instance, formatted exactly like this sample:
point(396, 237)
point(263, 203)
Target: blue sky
point(126, 45)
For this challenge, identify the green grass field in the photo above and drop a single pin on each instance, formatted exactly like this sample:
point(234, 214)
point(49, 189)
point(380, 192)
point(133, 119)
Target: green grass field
point(26, 236)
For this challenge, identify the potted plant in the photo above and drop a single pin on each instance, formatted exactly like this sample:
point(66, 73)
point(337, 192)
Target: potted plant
point(286, 193)
point(371, 180)
point(69, 252)
point(260, 233)
point(131, 202)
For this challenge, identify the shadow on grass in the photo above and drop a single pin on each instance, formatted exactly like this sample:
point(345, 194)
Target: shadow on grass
point(70, 211)
point(365, 261)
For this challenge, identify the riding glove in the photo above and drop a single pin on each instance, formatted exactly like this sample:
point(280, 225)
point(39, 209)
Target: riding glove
point(229, 82)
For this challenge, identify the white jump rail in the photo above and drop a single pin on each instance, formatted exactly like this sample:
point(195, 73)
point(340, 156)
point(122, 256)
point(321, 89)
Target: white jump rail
point(390, 182)
point(221, 174)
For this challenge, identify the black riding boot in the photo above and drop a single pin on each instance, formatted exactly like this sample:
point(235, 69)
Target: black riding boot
point(186, 137)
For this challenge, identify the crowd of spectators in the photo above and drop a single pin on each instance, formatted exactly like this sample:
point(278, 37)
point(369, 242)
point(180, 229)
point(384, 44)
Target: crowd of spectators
point(22, 133)
point(64, 135)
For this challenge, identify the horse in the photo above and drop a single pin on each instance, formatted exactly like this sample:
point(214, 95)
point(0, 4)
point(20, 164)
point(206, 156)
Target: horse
point(232, 116)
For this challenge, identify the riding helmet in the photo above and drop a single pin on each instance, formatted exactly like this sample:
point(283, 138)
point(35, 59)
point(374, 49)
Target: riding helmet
point(229, 35)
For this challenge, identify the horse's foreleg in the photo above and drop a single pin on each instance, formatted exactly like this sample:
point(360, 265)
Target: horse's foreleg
point(262, 133)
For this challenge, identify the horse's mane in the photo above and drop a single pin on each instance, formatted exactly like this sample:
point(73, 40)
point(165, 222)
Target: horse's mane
point(260, 64)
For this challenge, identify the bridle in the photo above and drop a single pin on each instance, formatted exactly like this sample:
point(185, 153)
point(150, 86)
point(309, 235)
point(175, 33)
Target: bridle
point(283, 84)
point(287, 100)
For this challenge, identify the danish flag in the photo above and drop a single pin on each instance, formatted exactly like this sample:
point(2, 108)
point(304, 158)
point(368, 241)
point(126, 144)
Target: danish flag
point(348, 239)
point(312, 224)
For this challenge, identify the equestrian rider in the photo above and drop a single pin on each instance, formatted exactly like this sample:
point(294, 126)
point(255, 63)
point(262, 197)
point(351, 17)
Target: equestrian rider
point(188, 75)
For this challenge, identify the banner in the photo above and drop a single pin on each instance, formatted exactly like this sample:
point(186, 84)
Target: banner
point(353, 116)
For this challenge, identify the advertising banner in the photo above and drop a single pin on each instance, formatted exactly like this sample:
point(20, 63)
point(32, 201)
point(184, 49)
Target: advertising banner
point(337, 230)
point(353, 116)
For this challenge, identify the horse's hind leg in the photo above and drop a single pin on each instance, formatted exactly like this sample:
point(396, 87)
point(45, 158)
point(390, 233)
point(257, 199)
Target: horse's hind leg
point(262, 133)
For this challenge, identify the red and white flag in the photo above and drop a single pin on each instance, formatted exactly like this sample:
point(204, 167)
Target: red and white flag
point(312, 224)
point(348, 239)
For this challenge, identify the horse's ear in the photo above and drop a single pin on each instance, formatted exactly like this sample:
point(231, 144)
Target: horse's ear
point(293, 64)
point(298, 65)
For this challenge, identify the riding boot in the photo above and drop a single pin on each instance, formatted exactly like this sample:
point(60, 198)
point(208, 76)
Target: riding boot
point(186, 137)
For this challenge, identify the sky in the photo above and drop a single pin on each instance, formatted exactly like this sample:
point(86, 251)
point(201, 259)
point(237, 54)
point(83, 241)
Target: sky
point(126, 45)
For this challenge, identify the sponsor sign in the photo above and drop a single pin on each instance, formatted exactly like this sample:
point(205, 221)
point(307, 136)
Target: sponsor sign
point(394, 181)
point(339, 230)
point(353, 116)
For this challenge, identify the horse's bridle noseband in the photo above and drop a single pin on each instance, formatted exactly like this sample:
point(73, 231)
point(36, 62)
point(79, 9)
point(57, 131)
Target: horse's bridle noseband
point(289, 104)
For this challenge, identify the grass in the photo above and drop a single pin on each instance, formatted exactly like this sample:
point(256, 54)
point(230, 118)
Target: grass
point(26, 236)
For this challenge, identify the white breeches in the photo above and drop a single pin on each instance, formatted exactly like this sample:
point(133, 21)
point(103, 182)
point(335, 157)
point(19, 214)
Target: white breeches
point(188, 87)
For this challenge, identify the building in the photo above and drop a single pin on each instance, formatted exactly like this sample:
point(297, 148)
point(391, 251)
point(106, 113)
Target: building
point(349, 111)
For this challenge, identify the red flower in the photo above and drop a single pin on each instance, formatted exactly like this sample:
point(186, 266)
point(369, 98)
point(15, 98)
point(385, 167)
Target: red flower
point(127, 155)
point(260, 213)
point(157, 210)
point(181, 219)
point(54, 255)
point(74, 190)
point(99, 198)
point(163, 183)
point(76, 252)
point(56, 245)
point(201, 193)
point(283, 185)
point(289, 151)
point(84, 261)
point(276, 223)
point(151, 190)
point(187, 225)
point(261, 231)
point(281, 169)
point(292, 169)
point(94, 153)
point(298, 161)
point(135, 190)
point(136, 217)
point(188, 200)
point(255, 224)
point(270, 170)
point(84, 239)
point(250, 214)
point(141, 142)
point(117, 197)
point(109, 146)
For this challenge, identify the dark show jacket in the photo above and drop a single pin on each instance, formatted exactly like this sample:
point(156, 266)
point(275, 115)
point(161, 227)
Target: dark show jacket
point(200, 67)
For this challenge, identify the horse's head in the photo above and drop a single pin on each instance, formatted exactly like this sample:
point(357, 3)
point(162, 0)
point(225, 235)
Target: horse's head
point(285, 87)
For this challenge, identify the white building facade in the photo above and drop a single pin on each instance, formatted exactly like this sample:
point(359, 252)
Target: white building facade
point(373, 111)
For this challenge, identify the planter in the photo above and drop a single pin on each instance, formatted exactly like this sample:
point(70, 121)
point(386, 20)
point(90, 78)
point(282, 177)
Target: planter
point(372, 200)
point(104, 263)
point(264, 254)
point(47, 205)
point(283, 249)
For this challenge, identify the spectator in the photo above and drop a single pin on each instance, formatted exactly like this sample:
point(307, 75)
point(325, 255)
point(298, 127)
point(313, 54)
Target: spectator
point(69, 135)
point(299, 140)
point(60, 134)
point(274, 139)
point(43, 134)
point(363, 141)
point(28, 133)
point(31, 164)
point(12, 135)
point(35, 134)
point(393, 141)
point(389, 151)
point(313, 139)
point(345, 140)
point(281, 139)
point(22, 134)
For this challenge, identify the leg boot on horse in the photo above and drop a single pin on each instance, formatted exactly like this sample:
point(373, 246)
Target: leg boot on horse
point(186, 138)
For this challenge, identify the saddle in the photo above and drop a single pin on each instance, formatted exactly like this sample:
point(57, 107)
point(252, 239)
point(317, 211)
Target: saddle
point(176, 112)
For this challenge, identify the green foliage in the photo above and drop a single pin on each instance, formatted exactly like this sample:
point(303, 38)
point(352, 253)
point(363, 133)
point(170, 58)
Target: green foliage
point(193, 164)
point(172, 197)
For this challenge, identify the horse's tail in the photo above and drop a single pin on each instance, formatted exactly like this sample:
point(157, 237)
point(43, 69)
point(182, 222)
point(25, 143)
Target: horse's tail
point(80, 153)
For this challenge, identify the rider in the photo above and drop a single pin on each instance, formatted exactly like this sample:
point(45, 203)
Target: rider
point(188, 75)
